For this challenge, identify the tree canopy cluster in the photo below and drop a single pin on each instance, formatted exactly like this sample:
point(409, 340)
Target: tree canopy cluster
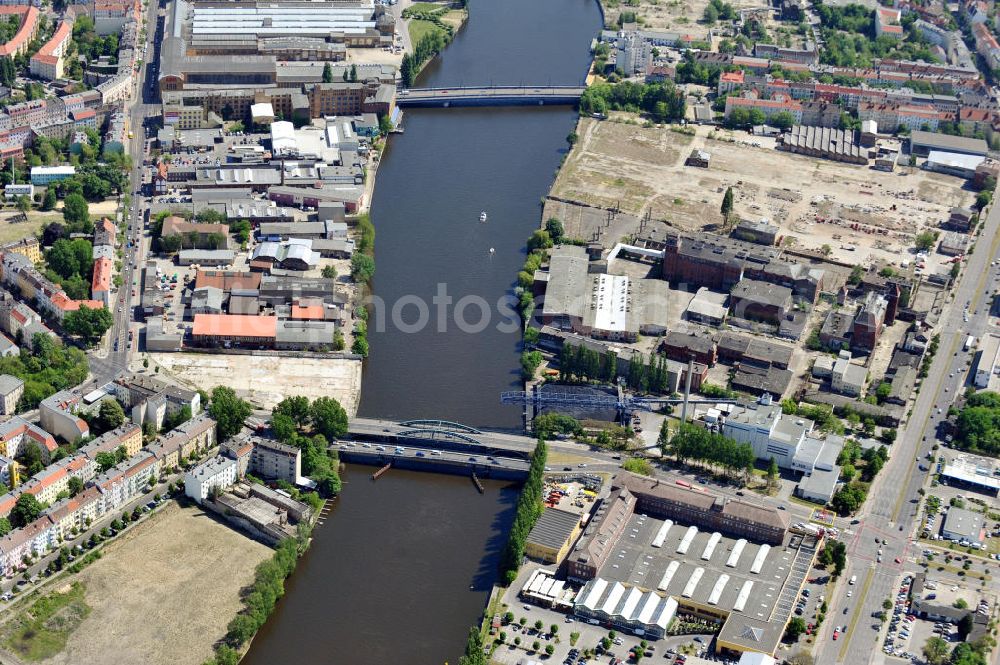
point(978, 424)
point(89, 324)
point(529, 509)
point(228, 410)
point(46, 367)
point(70, 264)
point(692, 442)
point(834, 554)
point(310, 428)
point(661, 101)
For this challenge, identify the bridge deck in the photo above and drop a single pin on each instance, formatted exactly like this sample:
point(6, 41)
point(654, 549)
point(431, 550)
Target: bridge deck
point(490, 96)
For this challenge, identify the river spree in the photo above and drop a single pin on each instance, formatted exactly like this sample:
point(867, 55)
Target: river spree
point(397, 574)
point(434, 181)
point(403, 566)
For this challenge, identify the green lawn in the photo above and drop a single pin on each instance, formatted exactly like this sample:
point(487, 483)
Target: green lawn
point(423, 7)
point(419, 28)
point(41, 631)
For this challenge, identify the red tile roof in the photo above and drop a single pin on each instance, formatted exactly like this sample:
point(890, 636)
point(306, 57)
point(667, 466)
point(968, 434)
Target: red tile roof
point(24, 34)
point(103, 267)
point(234, 325)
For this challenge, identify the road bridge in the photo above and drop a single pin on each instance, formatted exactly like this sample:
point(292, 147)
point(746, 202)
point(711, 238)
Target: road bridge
point(490, 96)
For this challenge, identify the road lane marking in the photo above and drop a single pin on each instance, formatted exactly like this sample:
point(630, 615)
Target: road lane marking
point(857, 615)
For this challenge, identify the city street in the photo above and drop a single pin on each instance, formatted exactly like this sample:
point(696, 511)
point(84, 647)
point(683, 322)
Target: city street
point(890, 513)
point(144, 107)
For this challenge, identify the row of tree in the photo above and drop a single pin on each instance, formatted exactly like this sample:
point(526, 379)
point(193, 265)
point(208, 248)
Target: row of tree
point(694, 443)
point(429, 45)
point(267, 588)
point(529, 509)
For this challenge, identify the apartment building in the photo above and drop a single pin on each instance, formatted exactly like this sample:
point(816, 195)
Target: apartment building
point(196, 434)
point(217, 473)
point(11, 390)
point(18, 434)
point(127, 435)
point(18, 44)
point(277, 461)
point(57, 414)
point(48, 62)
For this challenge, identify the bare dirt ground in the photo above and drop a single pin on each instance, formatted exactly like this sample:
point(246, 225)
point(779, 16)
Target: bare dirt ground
point(266, 380)
point(164, 592)
point(677, 15)
point(641, 170)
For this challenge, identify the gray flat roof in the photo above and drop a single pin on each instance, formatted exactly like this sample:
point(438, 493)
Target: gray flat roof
point(553, 528)
point(949, 143)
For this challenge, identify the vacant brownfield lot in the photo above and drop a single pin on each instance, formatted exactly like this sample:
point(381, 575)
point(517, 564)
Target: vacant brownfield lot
point(163, 593)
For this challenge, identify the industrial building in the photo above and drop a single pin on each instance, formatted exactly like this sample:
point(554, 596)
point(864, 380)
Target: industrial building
point(921, 143)
point(988, 364)
point(552, 536)
point(719, 263)
point(840, 145)
point(980, 474)
point(964, 527)
point(688, 553)
point(582, 297)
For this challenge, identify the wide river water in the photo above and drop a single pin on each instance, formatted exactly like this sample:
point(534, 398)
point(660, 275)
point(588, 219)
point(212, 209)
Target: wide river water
point(403, 567)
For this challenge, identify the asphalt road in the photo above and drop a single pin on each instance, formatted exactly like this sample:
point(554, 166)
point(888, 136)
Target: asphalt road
point(105, 367)
point(890, 513)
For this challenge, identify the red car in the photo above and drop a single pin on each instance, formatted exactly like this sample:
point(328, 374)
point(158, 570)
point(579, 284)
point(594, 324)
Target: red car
point(836, 634)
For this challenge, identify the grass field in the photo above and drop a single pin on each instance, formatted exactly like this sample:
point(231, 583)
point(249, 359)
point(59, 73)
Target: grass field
point(419, 29)
point(36, 220)
point(41, 631)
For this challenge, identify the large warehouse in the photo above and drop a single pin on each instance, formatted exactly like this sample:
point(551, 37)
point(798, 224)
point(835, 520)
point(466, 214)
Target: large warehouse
point(652, 550)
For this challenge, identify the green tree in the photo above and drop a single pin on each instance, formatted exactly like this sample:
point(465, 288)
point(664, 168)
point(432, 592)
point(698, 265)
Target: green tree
point(539, 240)
point(965, 654)
point(795, 627)
point(473, 649)
point(782, 120)
point(110, 414)
point(360, 347)
point(229, 411)
point(49, 200)
point(530, 360)
point(76, 212)
point(772, 473)
point(555, 229)
point(727, 204)
point(5, 526)
point(327, 73)
point(362, 267)
point(329, 272)
point(295, 407)
point(329, 417)
point(983, 199)
point(26, 510)
point(925, 240)
point(23, 204)
point(74, 485)
point(88, 324)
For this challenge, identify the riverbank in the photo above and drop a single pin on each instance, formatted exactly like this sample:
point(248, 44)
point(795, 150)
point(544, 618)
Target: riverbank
point(430, 27)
